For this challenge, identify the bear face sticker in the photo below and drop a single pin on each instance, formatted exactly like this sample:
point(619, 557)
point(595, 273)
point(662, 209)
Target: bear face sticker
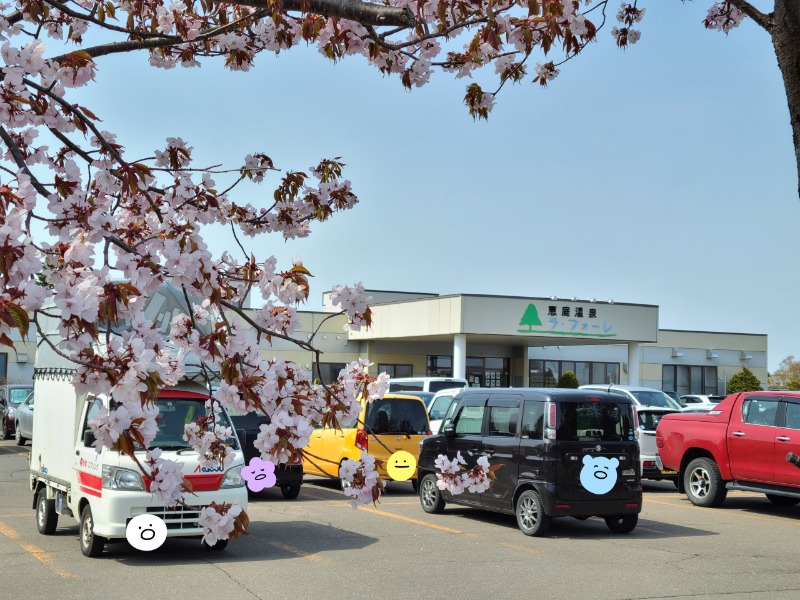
point(599, 474)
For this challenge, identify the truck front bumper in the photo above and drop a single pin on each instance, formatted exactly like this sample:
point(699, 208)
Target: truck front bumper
point(116, 508)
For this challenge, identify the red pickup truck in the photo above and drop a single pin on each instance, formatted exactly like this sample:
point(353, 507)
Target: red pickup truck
point(741, 444)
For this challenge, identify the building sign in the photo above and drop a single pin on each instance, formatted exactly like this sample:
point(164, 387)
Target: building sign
point(570, 320)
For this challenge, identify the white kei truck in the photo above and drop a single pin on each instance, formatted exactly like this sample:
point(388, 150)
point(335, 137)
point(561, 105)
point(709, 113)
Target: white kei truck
point(105, 490)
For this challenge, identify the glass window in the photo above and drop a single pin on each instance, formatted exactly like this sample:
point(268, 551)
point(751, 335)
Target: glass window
point(448, 417)
point(18, 395)
point(3, 365)
point(533, 420)
point(792, 415)
point(649, 420)
point(439, 407)
point(437, 386)
point(470, 420)
point(440, 366)
point(535, 373)
point(668, 377)
point(328, 372)
point(503, 420)
point(94, 410)
point(688, 379)
point(710, 380)
point(175, 413)
point(395, 415)
point(582, 372)
point(395, 370)
point(655, 398)
point(550, 373)
point(759, 411)
point(594, 421)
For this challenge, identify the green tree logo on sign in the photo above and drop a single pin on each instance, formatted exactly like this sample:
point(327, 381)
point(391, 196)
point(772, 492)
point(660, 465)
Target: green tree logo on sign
point(530, 318)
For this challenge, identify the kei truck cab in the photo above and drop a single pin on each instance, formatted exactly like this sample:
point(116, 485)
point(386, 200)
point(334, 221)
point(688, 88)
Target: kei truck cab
point(104, 490)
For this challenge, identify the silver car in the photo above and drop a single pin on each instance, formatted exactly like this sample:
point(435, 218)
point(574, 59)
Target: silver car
point(24, 421)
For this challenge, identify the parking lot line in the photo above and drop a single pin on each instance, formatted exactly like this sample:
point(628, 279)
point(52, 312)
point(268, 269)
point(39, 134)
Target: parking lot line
point(317, 558)
point(39, 554)
point(14, 516)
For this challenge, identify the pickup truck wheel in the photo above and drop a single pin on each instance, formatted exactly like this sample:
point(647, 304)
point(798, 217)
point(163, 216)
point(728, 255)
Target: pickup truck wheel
point(703, 483)
point(91, 545)
point(290, 492)
point(430, 497)
point(530, 514)
point(782, 500)
point(622, 523)
point(46, 515)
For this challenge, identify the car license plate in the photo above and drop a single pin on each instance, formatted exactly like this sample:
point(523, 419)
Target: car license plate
point(668, 472)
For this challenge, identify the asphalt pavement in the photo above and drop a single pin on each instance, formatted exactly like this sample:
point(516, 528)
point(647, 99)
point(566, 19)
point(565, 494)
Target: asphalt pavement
point(318, 547)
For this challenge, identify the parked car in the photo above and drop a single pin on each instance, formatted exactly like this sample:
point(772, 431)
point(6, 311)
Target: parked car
point(438, 406)
point(425, 384)
point(23, 421)
point(289, 478)
point(649, 417)
point(700, 401)
point(385, 426)
point(673, 394)
point(640, 396)
point(740, 444)
point(11, 397)
point(562, 453)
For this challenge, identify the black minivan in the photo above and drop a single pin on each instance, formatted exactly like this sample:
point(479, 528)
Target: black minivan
point(562, 453)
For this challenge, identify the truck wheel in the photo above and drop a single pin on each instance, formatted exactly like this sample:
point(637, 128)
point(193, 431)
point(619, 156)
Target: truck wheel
point(782, 500)
point(290, 492)
point(430, 497)
point(703, 483)
point(530, 514)
point(91, 544)
point(18, 436)
point(219, 545)
point(46, 515)
point(622, 523)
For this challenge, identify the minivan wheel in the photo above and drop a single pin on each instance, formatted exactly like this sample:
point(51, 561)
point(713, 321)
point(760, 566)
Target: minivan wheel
point(703, 483)
point(530, 514)
point(622, 523)
point(290, 492)
point(46, 515)
point(782, 500)
point(343, 484)
point(430, 497)
point(91, 544)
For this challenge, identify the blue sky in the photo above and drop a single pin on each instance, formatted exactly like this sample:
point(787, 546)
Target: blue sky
point(663, 174)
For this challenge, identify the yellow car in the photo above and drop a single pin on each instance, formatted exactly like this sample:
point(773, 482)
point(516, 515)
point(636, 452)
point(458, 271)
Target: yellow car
point(395, 422)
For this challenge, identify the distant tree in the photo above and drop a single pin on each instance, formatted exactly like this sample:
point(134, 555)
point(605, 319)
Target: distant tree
point(744, 381)
point(787, 376)
point(568, 380)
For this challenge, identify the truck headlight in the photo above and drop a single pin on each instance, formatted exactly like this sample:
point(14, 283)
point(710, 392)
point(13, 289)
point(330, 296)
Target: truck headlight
point(115, 478)
point(233, 478)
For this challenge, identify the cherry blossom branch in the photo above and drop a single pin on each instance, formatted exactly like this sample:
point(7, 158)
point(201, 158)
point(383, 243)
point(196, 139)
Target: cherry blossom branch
point(766, 21)
point(353, 10)
point(20, 160)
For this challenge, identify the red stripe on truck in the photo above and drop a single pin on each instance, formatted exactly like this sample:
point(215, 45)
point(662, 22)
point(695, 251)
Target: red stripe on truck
point(204, 482)
point(89, 480)
point(91, 492)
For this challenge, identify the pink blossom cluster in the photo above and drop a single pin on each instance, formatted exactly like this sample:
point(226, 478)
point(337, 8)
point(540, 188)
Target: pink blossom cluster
point(167, 478)
point(363, 484)
point(218, 522)
point(723, 16)
point(452, 477)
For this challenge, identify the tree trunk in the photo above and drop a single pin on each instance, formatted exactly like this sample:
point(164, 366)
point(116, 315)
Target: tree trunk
point(786, 41)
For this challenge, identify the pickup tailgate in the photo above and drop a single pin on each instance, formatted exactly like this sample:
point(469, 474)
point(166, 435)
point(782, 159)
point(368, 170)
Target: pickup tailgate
point(678, 433)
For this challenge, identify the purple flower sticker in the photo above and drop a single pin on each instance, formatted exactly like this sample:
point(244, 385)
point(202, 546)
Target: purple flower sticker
point(259, 474)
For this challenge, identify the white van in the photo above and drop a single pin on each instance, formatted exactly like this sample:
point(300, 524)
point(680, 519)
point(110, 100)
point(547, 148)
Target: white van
point(425, 384)
point(105, 491)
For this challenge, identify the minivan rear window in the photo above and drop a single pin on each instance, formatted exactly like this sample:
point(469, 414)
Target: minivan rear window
point(397, 415)
point(594, 421)
point(435, 386)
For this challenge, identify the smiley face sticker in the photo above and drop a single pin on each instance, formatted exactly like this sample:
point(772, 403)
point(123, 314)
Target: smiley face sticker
point(401, 465)
point(146, 532)
point(259, 474)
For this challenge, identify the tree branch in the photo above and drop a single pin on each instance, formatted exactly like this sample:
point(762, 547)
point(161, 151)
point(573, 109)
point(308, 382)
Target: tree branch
point(353, 10)
point(765, 20)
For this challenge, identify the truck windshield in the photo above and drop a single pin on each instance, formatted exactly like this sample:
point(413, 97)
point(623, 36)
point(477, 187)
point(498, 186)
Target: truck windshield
point(594, 421)
point(174, 413)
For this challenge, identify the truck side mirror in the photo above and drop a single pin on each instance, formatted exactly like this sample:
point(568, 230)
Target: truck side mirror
point(88, 439)
point(449, 430)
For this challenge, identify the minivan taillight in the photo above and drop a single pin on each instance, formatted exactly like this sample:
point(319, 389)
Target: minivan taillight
point(362, 440)
point(550, 431)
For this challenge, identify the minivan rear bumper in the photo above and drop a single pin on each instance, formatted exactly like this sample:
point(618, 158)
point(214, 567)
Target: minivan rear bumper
point(558, 507)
